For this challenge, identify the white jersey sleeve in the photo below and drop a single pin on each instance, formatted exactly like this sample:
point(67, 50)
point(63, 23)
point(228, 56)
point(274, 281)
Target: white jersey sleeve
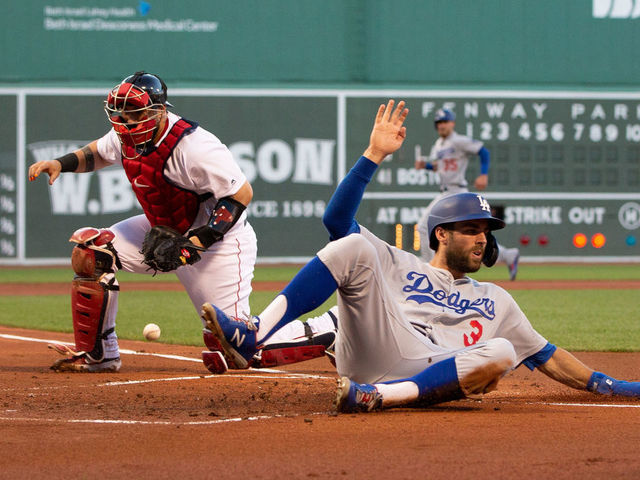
point(203, 164)
point(109, 147)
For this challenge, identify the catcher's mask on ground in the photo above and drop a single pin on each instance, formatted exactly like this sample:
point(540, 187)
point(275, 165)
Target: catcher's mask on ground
point(135, 108)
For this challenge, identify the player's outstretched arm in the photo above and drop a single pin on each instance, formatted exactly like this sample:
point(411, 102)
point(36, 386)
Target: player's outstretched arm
point(85, 159)
point(388, 131)
point(567, 369)
point(387, 136)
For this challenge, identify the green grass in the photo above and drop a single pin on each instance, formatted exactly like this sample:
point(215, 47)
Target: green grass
point(64, 274)
point(592, 320)
point(173, 311)
point(575, 319)
point(530, 271)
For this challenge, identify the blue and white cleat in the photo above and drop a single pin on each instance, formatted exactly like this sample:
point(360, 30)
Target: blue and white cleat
point(237, 337)
point(357, 397)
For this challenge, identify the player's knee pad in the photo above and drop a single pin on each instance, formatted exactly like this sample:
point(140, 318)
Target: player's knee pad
point(94, 291)
point(94, 253)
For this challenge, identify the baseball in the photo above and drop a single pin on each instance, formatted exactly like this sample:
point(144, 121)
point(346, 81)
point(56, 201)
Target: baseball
point(151, 331)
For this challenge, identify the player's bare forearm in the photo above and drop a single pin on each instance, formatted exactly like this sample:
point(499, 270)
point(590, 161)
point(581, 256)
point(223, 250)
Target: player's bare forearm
point(85, 159)
point(244, 195)
point(89, 159)
point(567, 369)
point(388, 132)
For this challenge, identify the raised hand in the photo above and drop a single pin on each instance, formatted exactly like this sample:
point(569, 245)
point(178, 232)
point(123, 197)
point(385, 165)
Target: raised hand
point(388, 131)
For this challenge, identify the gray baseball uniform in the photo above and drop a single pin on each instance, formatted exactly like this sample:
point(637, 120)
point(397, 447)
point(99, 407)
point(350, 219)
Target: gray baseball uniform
point(398, 314)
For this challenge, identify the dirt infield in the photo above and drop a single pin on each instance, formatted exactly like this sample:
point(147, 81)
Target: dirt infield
point(164, 417)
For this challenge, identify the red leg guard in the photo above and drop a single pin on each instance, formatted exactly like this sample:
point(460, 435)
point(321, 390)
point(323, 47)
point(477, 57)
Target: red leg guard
point(93, 296)
point(88, 303)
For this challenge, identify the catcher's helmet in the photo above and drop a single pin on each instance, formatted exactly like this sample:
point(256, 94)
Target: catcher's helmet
point(459, 208)
point(152, 84)
point(135, 107)
point(444, 115)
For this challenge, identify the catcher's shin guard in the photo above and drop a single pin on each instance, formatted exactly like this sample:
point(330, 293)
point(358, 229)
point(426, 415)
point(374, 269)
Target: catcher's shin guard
point(94, 303)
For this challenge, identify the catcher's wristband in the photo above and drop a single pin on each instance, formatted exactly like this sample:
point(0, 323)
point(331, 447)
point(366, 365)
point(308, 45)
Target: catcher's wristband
point(69, 162)
point(225, 215)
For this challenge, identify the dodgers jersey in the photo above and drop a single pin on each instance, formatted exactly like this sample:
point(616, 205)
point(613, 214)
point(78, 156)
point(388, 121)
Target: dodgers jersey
point(200, 163)
point(453, 313)
point(451, 155)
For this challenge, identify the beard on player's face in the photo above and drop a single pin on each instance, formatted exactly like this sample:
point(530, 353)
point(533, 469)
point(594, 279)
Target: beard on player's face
point(461, 257)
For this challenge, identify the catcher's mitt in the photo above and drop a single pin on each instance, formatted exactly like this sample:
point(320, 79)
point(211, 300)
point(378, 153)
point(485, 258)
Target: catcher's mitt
point(165, 249)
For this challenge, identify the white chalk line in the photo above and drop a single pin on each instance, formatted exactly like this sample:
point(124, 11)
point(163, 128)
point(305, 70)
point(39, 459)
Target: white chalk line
point(594, 405)
point(148, 422)
point(134, 352)
point(275, 374)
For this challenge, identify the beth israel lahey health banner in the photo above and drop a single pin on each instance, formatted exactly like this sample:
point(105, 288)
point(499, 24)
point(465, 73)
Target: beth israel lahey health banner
point(565, 167)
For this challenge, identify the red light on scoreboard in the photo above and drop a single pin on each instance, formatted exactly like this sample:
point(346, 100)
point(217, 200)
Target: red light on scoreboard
point(598, 240)
point(579, 240)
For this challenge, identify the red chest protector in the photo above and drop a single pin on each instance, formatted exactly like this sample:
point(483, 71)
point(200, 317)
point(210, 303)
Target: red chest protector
point(163, 202)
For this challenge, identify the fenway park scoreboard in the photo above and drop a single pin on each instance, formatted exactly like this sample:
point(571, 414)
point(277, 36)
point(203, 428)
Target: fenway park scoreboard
point(565, 171)
point(565, 166)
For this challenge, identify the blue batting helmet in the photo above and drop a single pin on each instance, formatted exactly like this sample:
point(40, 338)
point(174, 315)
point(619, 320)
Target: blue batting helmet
point(444, 115)
point(459, 208)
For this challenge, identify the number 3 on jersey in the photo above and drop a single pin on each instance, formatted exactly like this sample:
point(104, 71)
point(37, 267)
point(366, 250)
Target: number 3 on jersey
point(475, 334)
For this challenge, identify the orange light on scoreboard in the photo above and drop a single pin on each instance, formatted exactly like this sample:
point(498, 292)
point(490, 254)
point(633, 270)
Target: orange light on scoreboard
point(598, 240)
point(579, 240)
point(416, 238)
point(399, 236)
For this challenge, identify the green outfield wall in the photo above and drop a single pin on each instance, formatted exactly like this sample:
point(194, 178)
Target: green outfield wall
point(563, 164)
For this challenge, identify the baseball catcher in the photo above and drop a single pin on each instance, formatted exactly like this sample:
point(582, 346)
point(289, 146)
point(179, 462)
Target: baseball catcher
point(193, 195)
